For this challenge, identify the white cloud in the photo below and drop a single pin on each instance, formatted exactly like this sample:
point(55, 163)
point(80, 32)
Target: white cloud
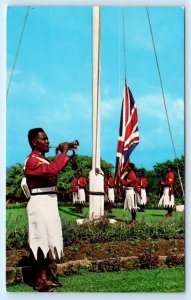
point(178, 110)
point(37, 86)
point(153, 126)
point(30, 84)
point(152, 106)
point(69, 116)
point(110, 108)
point(9, 71)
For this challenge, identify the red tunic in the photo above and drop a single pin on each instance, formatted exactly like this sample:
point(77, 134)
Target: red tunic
point(82, 182)
point(74, 184)
point(109, 182)
point(130, 180)
point(142, 182)
point(169, 179)
point(42, 173)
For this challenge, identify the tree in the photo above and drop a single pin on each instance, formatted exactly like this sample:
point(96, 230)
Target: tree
point(157, 175)
point(14, 191)
point(84, 163)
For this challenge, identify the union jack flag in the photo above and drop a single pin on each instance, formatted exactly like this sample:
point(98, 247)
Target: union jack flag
point(128, 132)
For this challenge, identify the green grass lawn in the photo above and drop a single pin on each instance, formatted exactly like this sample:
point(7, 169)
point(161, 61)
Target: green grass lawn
point(68, 213)
point(166, 280)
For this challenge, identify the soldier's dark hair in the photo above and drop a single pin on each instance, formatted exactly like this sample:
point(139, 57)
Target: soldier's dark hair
point(170, 167)
point(32, 134)
point(132, 166)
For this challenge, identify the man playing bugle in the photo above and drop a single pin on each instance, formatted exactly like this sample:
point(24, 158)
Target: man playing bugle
point(44, 224)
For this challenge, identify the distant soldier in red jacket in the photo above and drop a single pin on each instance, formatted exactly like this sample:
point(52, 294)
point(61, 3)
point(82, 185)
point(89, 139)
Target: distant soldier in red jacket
point(75, 189)
point(142, 185)
point(167, 199)
point(81, 194)
point(109, 185)
point(44, 224)
point(130, 184)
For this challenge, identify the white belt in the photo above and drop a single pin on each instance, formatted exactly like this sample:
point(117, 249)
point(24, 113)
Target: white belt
point(44, 190)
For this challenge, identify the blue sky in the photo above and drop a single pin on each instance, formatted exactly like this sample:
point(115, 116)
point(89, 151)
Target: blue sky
point(51, 87)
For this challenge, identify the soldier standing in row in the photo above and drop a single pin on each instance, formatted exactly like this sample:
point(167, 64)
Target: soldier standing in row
point(142, 195)
point(167, 198)
point(130, 184)
point(78, 189)
point(109, 184)
point(75, 189)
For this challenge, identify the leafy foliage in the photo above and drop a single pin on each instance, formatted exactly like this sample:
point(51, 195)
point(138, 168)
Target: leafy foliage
point(174, 260)
point(156, 175)
point(15, 173)
point(106, 265)
point(14, 191)
point(84, 163)
point(103, 232)
point(148, 260)
point(16, 236)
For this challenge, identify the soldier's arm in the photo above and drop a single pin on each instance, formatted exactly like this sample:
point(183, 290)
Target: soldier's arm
point(39, 168)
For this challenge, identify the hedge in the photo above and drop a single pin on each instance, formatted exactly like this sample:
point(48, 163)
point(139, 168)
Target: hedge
point(103, 231)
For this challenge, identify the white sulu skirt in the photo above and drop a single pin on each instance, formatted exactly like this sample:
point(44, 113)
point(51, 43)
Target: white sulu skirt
point(81, 195)
point(130, 200)
point(111, 195)
point(142, 199)
point(75, 197)
point(166, 200)
point(44, 225)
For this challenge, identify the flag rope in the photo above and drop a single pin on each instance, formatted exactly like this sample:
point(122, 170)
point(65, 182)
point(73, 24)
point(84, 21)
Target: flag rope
point(164, 100)
point(18, 49)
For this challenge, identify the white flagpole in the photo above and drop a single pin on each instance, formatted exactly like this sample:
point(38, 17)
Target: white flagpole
point(96, 180)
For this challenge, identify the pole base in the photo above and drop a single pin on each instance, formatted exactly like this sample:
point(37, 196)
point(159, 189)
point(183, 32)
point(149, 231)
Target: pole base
point(96, 197)
point(83, 221)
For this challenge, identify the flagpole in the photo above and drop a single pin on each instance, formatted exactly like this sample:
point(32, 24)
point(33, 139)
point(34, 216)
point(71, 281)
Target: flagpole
point(96, 178)
point(124, 48)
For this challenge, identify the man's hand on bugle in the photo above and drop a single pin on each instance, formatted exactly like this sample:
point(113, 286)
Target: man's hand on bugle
point(63, 148)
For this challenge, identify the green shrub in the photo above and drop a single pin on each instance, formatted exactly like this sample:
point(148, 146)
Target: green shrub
point(71, 270)
point(174, 260)
point(16, 205)
point(105, 232)
point(16, 236)
point(93, 232)
point(74, 249)
point(106, 265)
point(148, 260)
point(179, 201)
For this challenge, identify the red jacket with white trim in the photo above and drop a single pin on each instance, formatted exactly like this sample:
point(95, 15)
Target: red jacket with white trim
point(42, 173)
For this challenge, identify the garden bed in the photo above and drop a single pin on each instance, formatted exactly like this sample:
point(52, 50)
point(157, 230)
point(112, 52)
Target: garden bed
point(99, 251)
point(104, 247)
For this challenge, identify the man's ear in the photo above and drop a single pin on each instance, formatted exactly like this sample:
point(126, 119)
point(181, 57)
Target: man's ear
point(34, 142)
